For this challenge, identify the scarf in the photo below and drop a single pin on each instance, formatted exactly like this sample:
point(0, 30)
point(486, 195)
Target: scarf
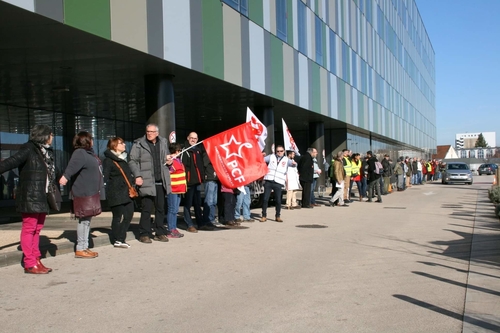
point(48, 158)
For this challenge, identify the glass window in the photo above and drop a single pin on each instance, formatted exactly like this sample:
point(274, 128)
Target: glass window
point(480, 153)
point(319, 40)
point(302, 24)
point(281, 16)
point(239, 5)
point(333, 53)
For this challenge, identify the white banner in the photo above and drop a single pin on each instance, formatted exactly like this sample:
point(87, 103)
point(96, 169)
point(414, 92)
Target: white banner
point(288, 139)
point(259, 129)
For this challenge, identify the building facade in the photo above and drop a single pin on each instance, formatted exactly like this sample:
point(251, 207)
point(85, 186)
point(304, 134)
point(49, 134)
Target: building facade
point(356, 74)
point(468, 140)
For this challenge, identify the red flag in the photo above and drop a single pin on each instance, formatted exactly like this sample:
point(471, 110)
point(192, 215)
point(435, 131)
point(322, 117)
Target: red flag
point(236, 156)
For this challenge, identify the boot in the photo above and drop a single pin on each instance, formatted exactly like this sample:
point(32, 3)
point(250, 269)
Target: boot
point(39, 263)
point(36, 270)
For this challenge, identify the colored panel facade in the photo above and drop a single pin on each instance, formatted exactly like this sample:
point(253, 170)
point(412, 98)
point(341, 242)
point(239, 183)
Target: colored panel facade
point(91, 16)
point(377, 60)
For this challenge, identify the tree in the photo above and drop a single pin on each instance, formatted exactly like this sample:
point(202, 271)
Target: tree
point(481, 142)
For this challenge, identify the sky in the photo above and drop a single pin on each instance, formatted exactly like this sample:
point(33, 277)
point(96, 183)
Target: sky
point(465, 35)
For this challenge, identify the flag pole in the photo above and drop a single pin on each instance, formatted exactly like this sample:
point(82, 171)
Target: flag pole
point(185, 149)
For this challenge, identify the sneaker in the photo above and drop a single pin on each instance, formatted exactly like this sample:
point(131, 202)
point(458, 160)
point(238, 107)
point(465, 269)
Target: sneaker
point(177, 233)
point(249, 220)
point(122, 245)
point(172, 235)
point(217, 224)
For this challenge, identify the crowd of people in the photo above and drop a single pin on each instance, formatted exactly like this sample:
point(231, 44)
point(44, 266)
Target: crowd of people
point(157, 174)
point(376, 178)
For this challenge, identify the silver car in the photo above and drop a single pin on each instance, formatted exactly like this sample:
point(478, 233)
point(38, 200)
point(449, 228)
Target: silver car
point(457, 172)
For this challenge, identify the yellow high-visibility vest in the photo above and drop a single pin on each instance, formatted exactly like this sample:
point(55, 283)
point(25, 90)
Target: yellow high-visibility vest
point(348, 166)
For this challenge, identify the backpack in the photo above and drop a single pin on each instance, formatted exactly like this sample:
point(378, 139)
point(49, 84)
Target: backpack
point(379, 169)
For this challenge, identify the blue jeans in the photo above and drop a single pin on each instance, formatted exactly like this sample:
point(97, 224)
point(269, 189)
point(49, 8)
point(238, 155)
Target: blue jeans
point(414, 179)
point(173, 203)
point(210, 202)
point(313, 186)
point(364, 187)
point(243, 200)
point(382, 185)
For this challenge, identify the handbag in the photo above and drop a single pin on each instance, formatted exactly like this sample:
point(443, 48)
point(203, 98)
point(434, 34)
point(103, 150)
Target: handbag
point(132, 192)
point(87, 206)
point(54, 198)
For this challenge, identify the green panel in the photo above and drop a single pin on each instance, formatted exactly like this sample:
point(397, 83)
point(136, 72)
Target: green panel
point(289, 22)
point(316, 7)
point(90, 15)
point(361, 109)
point(316, 88)
point(256, 12)
point(213, 38)
point(277, 86)
point(341, 99)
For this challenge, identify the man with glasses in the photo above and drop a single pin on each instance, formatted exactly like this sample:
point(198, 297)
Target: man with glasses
point(275, 180)
point(149, 160)
point(192, 159)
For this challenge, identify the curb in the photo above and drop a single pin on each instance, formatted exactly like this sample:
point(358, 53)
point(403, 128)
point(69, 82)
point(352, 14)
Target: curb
point(53, 250)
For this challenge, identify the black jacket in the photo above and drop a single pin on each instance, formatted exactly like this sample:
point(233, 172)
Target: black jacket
point(193, 162)
point(372, 176)
point(209, 171)
point(116, 186)
point(31, 196)
point(305, 168)
point(387, 167)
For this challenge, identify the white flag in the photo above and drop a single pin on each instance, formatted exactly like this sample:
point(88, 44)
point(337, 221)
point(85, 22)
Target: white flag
point(288, 139)
point(258, 127)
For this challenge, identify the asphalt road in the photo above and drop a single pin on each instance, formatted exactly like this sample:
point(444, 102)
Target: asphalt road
point(400, 266)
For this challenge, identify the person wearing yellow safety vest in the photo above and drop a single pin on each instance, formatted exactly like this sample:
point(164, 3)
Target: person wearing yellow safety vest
point(356, 174)
point(428, 166)
point(346, 162)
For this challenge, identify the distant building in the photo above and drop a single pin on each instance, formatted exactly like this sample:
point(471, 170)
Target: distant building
point(444, 152)
point(479, 153)
point(468, 140)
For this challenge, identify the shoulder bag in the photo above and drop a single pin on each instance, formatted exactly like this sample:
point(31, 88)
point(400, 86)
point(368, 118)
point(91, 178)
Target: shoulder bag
point(54, 198)
point(87, 206)
point(132, 192)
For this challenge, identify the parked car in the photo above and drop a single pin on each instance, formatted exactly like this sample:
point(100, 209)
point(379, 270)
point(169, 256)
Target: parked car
point(457, 172)
point(487, 169)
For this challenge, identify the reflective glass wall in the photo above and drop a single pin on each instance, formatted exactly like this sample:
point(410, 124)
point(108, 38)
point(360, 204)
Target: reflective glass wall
point(15, 124)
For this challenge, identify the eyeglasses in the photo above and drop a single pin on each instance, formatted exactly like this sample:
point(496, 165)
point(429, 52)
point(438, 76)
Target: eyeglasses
point(280, 151)
point(121, 143)
point(151, 131)
point(191, 138)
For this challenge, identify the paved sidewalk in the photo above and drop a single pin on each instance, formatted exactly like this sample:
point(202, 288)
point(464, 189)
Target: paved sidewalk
point(425, 260)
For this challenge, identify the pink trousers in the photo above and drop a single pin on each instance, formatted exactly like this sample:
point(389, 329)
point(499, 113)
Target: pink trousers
point(30, 237)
